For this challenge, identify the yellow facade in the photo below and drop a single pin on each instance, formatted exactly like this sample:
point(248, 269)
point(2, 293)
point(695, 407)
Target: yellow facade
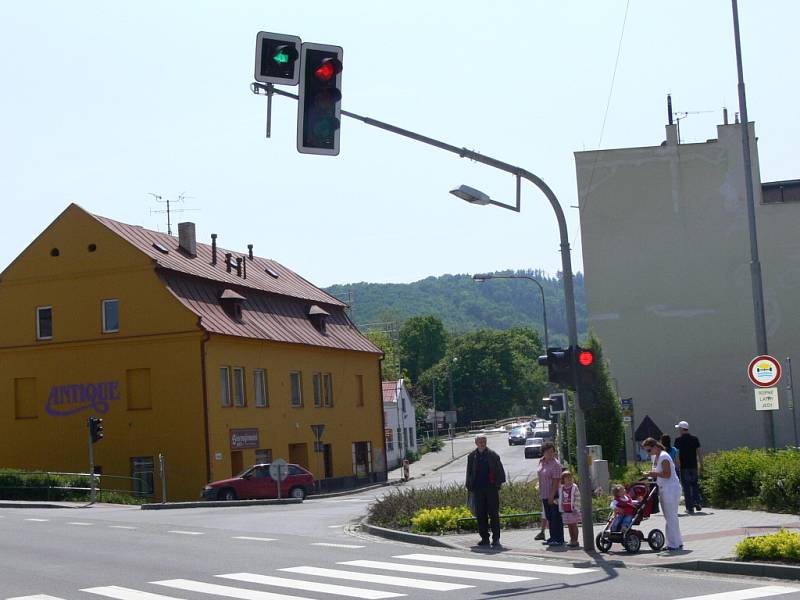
point(156, 381)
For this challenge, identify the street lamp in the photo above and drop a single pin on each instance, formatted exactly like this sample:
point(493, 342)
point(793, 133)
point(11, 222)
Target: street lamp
point(485, 276)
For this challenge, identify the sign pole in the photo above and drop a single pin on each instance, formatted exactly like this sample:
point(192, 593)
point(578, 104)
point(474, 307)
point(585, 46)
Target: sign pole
point(93, 491)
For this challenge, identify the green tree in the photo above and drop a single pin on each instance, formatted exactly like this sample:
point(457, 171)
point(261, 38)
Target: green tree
point(423, 342)
point(391, 354)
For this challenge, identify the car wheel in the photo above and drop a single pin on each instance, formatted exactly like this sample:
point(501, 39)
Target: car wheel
point(297, 492)
point(227, 494)
point(602, 542)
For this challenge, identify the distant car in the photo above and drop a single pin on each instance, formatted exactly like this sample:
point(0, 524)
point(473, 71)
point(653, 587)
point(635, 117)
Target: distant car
point(518, 435)
point(533, 447)
point(256, 482)
point(544, 434)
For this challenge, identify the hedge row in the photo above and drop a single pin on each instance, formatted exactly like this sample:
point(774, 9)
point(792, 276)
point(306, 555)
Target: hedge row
point(16, 484)
point(747, 478)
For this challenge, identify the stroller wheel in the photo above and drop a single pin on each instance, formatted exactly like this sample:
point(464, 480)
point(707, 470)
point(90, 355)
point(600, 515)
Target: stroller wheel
point(631, 542)
point(656, 539)
point(602, 542)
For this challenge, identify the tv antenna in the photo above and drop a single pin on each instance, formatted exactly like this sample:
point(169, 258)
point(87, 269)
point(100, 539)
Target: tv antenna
point(169, 210)
point(680, 115)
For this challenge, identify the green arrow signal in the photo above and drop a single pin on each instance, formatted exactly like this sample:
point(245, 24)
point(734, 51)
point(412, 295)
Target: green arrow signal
point(281, 57)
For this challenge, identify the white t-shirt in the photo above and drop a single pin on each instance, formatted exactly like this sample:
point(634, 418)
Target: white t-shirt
point(666, 483)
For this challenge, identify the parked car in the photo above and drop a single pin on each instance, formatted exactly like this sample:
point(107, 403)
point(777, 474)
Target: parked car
point(256, 482)
point(533, 447)
point(518, 435)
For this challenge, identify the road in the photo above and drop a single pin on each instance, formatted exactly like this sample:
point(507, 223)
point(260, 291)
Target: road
point(298, 551)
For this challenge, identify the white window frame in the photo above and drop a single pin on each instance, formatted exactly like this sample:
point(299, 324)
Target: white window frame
point(327, 390)
point(298, 376)
point(106, 328)
point(260, 388)
point(239, 392)
point(39, 335)
point(317, 380)
point(225, 387)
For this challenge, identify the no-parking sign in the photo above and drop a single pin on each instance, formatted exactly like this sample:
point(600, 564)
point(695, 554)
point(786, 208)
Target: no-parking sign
point(764, 371)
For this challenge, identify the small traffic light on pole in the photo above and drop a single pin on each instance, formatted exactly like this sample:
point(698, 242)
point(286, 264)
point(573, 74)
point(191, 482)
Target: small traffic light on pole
point(587, 376)
point(277, 58)
point(96, 429)
point(559, 366)
point(319, 106)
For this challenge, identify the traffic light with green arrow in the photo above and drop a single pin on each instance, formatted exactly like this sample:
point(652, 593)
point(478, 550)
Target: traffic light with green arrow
point(277, 58)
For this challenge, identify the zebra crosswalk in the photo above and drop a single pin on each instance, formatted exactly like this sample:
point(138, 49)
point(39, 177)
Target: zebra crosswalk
point(368, 579)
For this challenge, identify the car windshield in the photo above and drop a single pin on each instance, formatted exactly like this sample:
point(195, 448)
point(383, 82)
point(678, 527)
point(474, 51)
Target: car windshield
point(517, 431)
point(533, 442)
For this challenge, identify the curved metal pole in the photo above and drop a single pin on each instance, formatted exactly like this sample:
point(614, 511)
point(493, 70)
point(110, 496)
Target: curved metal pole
point(541, 289)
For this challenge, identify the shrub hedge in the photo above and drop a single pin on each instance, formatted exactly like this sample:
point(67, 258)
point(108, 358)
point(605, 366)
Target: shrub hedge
point(16, 484)
point(783, 545)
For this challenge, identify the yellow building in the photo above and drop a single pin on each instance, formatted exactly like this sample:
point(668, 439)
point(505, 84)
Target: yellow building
point(213, 359)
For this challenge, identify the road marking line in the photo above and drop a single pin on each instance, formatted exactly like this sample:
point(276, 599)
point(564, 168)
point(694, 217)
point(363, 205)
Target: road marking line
point(123, 593)
point(178, 531)
point(497, 564)
point(759, 592)
point(79, 523)
point(36, 597)
point(426, 570)
point(254, 539)
point(312, 586)
point(336, 545)
point(122, 527)
point(38, 520)
point(438, 586)
point(334, 526)
point(224, 590)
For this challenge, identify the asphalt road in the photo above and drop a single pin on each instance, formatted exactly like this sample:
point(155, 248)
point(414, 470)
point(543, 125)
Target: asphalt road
point(299, 551)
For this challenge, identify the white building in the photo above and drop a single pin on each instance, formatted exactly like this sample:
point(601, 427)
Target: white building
point(400, 422)
point(666, 257)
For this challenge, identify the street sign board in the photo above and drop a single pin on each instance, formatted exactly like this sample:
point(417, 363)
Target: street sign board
point(627, 418)
point(279, 470)
point(451, 417)
point(764, 371)
point(767, 399)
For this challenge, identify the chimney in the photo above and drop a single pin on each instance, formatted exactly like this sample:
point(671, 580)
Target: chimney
point(724, 116)
point(239, 266)
point(213, 248)
point(186, 238)
point(244, 268)
point(228, 261)
point(669, 109)
point(250, 251)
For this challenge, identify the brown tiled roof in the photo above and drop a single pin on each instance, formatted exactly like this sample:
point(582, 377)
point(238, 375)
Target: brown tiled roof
point(390, 391)
point(287, 283)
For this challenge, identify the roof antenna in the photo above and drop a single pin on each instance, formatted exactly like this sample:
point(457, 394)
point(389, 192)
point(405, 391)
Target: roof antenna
point(161, 200)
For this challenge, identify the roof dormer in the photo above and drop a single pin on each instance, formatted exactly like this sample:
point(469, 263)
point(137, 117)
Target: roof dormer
point(318, 317)
point(232, 304)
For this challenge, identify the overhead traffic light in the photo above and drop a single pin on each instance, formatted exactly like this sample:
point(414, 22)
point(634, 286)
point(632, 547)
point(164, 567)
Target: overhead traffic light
point(95, 429)
point(319, 108)
point(559, 366)
point(277, 58)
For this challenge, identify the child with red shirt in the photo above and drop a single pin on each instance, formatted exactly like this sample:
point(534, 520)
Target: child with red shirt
point(623, 508)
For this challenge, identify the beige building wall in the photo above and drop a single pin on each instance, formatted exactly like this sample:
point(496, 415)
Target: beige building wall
point(667, 272)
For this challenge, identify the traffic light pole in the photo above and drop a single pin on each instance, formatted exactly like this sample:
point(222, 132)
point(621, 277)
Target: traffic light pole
point(582, 457)
point(92, 488)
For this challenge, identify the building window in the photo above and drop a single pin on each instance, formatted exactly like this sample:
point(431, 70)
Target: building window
point(44, 322)
point(317, 380)
point(327, 389)
point(110, 316)
point(238, 386)
point(359, 390)
point(224, 386)
point(296, 380)
point(142, 471)
point(263, 456)
point(260, 387)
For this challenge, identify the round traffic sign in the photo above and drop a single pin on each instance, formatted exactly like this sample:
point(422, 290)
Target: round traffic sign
point(278, 469)
point(764, 371)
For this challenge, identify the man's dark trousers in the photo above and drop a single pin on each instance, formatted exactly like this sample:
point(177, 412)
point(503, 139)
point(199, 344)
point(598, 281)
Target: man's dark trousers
point(487, 507)
point(555, 524)
point(691, 489)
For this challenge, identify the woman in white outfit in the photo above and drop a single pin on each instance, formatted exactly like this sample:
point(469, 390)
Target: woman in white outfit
point(669, 490)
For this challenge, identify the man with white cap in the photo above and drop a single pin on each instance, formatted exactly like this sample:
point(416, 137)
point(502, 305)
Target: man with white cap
point(690, 463)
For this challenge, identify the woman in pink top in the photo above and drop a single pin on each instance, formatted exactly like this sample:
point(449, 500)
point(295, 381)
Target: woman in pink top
point(549, 473)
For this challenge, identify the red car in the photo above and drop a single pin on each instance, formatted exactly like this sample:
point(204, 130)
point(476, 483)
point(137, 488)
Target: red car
point(256, 482)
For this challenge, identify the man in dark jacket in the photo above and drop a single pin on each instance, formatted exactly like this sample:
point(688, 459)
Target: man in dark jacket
point(485, 475)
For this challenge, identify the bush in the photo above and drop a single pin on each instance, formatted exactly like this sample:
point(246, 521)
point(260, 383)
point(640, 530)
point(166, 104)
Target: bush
point(777, 546)
point(438, 520)
point(780, 483)
point(732, 479)
point(16, 484)
point(412, 456)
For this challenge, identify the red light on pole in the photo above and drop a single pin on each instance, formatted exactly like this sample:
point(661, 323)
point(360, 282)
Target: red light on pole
point(327, 70)
point(586, 358)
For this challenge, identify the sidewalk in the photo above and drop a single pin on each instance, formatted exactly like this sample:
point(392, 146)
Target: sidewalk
point(709, 535)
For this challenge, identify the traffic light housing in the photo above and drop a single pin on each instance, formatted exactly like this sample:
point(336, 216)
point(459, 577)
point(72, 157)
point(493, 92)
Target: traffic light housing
point(96, 429)
point(320, 101)
point(558, 404)
point(277, 58)
point(559, 366)
point(587, 376)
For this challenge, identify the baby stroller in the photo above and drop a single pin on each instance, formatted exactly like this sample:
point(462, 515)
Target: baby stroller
point(644, 493)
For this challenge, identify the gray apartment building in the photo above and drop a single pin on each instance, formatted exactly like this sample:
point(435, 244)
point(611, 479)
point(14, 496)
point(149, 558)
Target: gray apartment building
point(666, 257)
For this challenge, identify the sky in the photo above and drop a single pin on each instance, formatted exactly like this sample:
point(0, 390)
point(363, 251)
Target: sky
point(105, 103)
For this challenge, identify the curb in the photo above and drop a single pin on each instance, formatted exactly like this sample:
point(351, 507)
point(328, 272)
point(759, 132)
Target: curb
point(221, 503)
point(36, 505)
point(403, 536)
point(731, 567)
point(451, 461)
point(366, 488)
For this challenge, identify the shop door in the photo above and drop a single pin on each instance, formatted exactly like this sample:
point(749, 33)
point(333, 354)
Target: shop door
point(298, 454)
point(362, 459)
point(236, 463)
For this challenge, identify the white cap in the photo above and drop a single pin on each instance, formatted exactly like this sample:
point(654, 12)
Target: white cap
point(682, 425)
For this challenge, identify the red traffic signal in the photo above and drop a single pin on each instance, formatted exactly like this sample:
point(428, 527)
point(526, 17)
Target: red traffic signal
point(586, 358)
point(329, 69)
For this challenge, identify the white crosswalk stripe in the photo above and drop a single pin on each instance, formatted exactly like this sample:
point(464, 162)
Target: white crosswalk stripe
point(35, 597)
point(253, 539)
point(311, 586)
point(425, 570)
point(437, 586)
point(329, 545)
point(123, 593)
point(495, 564)
point(223, 590)
point(748, 594)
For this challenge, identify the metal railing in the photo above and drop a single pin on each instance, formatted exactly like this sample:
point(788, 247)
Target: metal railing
point(53, 485)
